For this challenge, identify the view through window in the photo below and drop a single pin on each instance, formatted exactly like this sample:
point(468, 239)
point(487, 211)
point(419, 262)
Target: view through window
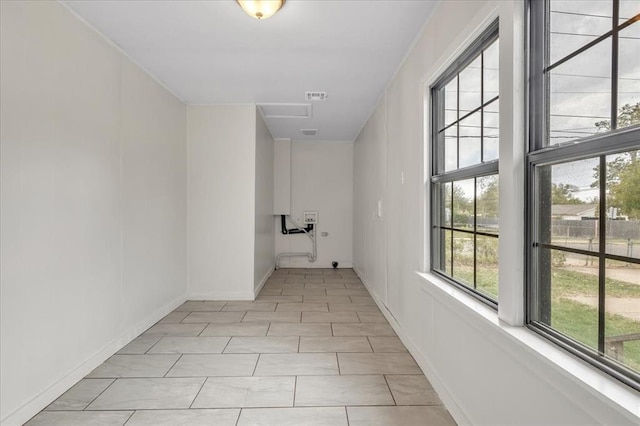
point(584, 165)
point(465, 169)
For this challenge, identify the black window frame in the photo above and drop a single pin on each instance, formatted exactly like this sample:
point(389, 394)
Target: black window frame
point(542, 154)
point(439, 176)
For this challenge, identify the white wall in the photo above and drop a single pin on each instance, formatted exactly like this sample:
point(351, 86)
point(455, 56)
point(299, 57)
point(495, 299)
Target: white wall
point(322, 181)
point(488, 373)
point(264, 250)
point(93, 224)
point(221, 201)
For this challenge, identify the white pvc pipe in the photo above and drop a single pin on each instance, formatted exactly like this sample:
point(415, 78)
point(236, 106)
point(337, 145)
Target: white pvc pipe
point(312, 235)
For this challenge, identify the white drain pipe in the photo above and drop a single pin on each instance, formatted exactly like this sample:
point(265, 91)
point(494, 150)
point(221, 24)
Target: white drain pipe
point(312, 235)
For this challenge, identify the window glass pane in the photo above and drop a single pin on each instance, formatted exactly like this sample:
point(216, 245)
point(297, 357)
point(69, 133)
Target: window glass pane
point(491, 132)
point(447, 255)
point(463, 249)
point(470, 85)
point(574, 297)
point(487, 265)
point(490, 71)
point(451, 148)
point(629, 76)
point(463, 204)
point(451, 102)
point(628, 9)
point(445, 196)
point(470, 137)
point(576, 23)
point(568, 204)
point(580, 95)
point(622, 319)
point(623, 204)
point(487, 205)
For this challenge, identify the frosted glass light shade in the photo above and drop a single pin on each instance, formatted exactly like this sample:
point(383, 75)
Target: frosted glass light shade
point(261, 9)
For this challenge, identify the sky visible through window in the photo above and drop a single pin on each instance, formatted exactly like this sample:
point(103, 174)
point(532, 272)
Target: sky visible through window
point(580, 89)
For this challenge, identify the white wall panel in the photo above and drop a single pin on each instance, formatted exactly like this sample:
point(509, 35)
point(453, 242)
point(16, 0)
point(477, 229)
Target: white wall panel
point(93, 205)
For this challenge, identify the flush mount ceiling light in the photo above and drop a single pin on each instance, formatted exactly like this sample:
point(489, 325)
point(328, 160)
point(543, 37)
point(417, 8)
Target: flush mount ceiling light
point(261, 9)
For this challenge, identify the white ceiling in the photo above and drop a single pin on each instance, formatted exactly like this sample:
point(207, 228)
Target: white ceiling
point(211, 52)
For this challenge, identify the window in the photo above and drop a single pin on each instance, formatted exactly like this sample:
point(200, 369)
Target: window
point(464, 179)
point(584, 180)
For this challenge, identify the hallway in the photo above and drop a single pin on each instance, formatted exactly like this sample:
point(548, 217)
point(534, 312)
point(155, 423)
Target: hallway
point(313, 349)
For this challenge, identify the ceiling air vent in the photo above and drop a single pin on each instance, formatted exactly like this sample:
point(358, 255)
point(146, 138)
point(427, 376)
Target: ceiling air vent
point(286, 110)
point(315, 96)
point(309, 132)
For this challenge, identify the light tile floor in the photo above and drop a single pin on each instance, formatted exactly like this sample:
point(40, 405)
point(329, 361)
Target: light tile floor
point(313, 349)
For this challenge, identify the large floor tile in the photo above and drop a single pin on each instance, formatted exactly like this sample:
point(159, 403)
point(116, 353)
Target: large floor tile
point(352, 307)
point(367, 300)
point(213, 317)
point(334, 344)
point(200, 305)
point(330, 317)
point(348, 292)
point(140, 345)
point(304, 292)
point(80, 395)
point(214, 365)
point(80, 418)
point(372, 317)
point(300, 329)
point(272, 317)
point(258, 306)
point(175, 330)
point(265, 345)
point(387, 344)
point(296, 364)
point(326, 285)
point(134, 366)
point(326, 299)
point(174, 317)
point(362, 329)
point(236, 329)
point(240, 392)
point(148, 394)
point(316, 416)
point(342, 390)
point(378, 363)
point(190, 345)
point(276, 298)
point(270, 291)
point(412, 390)
point(302, 307)
point(202, 417)
point(396, 416)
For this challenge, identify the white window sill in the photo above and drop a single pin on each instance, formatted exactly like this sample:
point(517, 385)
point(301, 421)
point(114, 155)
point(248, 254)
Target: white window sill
point(589, 377)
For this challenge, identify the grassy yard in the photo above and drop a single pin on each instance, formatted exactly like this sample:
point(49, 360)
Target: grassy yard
point(575, 319)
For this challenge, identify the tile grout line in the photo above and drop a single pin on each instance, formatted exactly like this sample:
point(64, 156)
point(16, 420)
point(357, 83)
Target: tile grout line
point(173, 365)
point(198, 393)
point(389, 387)
point(129, 418)
point(93, 400)
point(255, 367)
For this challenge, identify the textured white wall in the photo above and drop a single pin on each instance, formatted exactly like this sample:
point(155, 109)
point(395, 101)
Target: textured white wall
point(221, 201)
point(264, 256)
point(488, 373)
point(322, 181)
point(93, 198)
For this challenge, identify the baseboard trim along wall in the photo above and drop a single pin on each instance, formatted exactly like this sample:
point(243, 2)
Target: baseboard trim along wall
point(454, 409)
point(263, 281)
point(222, 295)
point(47, 396)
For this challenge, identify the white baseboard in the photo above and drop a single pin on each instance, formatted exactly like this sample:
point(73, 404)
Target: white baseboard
point(454, 408)
point(47, 396)
point(315, 265)
point(262, 282)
